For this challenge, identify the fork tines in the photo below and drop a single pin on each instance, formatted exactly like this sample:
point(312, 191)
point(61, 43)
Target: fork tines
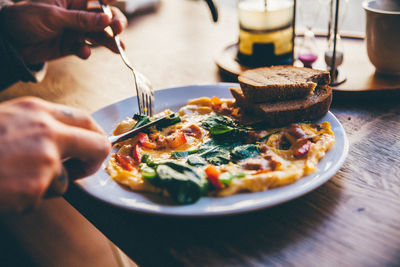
point(146, 103)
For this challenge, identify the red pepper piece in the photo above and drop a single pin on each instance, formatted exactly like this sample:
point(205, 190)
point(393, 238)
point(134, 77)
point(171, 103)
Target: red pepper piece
point(137, 153)
point(176, 139)
point(125, 162)
point(144, 140)
point(213, 176)
point(192, 130)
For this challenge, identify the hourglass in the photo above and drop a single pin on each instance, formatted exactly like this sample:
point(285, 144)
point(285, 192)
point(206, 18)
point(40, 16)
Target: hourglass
point(308, 49)
point(334, 54)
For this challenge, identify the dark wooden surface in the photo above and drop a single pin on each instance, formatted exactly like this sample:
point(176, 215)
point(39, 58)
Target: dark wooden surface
point(352, 220)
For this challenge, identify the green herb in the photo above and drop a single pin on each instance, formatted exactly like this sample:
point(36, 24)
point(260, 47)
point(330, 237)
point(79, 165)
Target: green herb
point(141, 120)
point(183, 154)
point(146, 158)
point(173, 119)
point(147, 172)
point(245, 151)
point(227, 177)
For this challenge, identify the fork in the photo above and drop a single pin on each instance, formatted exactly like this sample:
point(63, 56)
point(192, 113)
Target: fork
point(144, 90)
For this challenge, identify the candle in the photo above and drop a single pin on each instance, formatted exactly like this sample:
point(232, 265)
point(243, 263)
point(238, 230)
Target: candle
point(266, 32)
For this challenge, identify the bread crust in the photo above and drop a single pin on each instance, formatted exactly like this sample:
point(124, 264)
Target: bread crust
point(279, 83)
point(281, 113)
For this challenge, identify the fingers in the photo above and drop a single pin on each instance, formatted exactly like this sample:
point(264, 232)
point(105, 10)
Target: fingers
point(72, 43)
point(119, 21)
point(73, 117)
point(36, 137)
point(107, 2)
point(81, 139)
point(86, 21)
point(86, 149)
point(64, 114)
point(83, 21)
point(83, 51)
point(103, 39)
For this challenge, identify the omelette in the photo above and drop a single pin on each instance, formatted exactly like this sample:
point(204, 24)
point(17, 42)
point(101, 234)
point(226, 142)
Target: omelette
point(208, 148)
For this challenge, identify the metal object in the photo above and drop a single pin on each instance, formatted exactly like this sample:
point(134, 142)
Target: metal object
point(213, 10)
point(118, 138)
point(144, 90)
point(337, 75)
point(58, 185)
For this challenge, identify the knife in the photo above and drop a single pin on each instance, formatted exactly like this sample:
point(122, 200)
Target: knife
point(118, 138)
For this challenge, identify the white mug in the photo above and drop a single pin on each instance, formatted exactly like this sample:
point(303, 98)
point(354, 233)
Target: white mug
point(383, 34)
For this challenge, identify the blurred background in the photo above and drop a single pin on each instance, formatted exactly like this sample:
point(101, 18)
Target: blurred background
point(352, 11)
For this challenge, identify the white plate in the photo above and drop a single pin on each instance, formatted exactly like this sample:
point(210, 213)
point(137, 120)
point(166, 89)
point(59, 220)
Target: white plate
point(103, 188)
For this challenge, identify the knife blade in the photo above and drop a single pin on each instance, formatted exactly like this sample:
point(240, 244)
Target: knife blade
point(118, 138)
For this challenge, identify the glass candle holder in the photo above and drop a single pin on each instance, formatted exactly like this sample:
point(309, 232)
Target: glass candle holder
point(266, 32)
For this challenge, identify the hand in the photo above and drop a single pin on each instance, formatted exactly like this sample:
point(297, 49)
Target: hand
point(49, 29)
point(35, 137)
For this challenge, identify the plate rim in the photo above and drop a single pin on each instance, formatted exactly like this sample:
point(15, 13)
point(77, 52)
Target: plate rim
point(259, 206)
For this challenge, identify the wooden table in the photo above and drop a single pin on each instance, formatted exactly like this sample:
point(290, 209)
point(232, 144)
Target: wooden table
point(352, 220)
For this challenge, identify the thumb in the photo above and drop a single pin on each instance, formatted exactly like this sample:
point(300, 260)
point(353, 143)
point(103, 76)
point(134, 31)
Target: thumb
point(84, 21)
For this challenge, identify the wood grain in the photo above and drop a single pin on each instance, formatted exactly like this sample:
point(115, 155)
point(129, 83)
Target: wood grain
point(352, 220)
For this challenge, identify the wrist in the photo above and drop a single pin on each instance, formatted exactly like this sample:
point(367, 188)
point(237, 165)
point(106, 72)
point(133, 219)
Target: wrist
point(5, 3)
point(26, 72)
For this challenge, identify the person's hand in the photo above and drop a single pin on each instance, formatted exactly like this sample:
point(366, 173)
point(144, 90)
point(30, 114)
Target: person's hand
point(49, 29)
point(35, 137)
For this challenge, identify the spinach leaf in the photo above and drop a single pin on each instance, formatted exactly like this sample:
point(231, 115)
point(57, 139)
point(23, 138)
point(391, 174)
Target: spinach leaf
point(220, 129)
point(173, 119)
point(141, 120)
point(245, 151)
point(224, 128)
point(217, 157)
point(216, 119)
point(184, 184)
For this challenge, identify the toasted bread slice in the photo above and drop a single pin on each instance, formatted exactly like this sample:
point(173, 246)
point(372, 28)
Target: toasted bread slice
point(280, 83)
point(284, 112)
